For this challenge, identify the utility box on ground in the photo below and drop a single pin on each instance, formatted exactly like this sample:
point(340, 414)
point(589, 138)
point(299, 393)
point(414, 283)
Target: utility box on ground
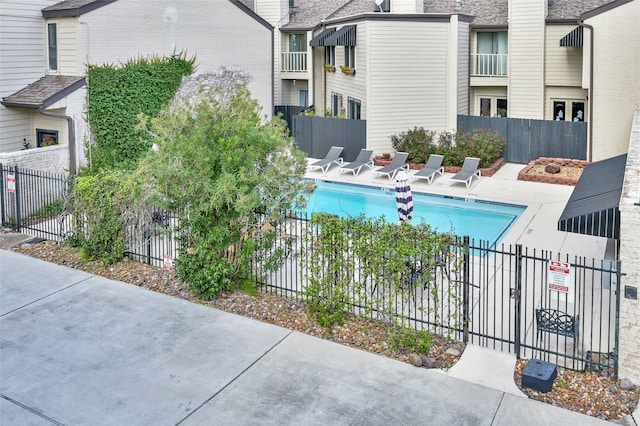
point(539, 375)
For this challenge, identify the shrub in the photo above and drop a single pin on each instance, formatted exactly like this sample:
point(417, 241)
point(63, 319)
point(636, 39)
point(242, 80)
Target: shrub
point(455, 147)
point(101, 205)
point(418, 143)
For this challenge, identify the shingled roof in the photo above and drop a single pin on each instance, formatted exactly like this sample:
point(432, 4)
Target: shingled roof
point(308, 14)
point(44, 92)
point(73, 8)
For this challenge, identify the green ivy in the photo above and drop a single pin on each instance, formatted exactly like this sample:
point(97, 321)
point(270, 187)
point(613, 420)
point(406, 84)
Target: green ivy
point(117, 95)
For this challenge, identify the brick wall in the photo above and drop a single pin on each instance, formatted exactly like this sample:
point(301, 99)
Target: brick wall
point(629, 351)
point(49, 159)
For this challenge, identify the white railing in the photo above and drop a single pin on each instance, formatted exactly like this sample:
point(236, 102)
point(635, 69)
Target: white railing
point(491, 64)
point(293, 62)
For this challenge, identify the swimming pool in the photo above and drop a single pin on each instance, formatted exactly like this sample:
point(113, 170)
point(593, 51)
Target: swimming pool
point(480, 220)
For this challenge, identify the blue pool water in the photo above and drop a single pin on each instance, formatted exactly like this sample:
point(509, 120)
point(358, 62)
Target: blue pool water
point(480, 220)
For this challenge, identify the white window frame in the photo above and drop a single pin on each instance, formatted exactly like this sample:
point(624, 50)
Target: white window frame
point(570, 113)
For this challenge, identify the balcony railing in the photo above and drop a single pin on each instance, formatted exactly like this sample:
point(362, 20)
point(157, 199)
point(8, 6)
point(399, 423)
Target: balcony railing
point(293, 62)
point(489, 64)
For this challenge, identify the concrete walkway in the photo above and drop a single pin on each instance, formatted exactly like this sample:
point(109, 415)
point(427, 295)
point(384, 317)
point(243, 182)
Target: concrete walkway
point(79, 349)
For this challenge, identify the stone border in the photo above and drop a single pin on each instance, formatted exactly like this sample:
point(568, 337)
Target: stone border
point(562, 180)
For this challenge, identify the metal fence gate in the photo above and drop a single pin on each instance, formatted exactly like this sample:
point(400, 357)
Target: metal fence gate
point(539, 305)
point(34, 202)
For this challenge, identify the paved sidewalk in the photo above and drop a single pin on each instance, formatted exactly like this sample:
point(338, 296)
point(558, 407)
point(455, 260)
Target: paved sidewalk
point(80, 349)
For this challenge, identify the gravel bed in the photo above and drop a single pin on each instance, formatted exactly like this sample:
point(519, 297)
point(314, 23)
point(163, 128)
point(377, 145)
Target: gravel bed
point(586, 393)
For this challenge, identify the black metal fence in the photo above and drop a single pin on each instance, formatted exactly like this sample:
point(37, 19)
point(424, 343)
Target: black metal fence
point(529, 139)
point(35, 202)
point(531, 303)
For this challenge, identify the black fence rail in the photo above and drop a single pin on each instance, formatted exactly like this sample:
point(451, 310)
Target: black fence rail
point(532, 303)
point(151, 237)
point(35, 202)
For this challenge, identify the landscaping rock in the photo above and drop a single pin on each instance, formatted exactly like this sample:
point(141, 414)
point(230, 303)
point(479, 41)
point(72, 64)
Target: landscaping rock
point(415, 359)
point(428, 362)
point(453, 352)
point(626, 384)
point(552, 168)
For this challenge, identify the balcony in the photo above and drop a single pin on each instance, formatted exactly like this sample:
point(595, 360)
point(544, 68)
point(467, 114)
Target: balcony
point(293, 62)
point(489, 64)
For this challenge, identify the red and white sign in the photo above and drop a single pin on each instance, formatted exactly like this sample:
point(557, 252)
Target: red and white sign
point(168, 263)
point(559, 276)
point(11, 183)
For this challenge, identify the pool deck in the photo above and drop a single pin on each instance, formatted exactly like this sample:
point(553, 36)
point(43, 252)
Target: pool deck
point(537, 228)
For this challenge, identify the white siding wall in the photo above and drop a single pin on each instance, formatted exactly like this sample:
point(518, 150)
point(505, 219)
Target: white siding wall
point(22, 61)
point(217, 32)
point(354, 86)
point(526, 58)
point(616, 85)
point(407, 79)
point(463, 69)
point(563, 65)
point(276, 12)
point(70, 60)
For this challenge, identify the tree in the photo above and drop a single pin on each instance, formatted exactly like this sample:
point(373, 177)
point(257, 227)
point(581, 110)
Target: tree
point(218, 163)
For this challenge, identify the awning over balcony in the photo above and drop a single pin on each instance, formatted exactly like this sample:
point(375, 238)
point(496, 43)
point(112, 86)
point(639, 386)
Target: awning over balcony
point(345, 36)
point(592, 208)
point(320, 38)
point(573, 39)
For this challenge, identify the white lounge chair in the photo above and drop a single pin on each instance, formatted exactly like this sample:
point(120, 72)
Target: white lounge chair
point(433, 167)
point(468, 171)
point(363, 159)
point(333, 156)
point(399, 162)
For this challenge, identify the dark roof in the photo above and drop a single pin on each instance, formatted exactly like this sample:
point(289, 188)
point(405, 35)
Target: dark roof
point(593, 206)
point(309, 14)
point(73, 7)
point(44, 92)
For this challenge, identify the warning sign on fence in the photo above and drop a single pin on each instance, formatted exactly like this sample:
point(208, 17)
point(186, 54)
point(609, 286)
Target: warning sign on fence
point(11, 183)
point(168, 263)
point(559, 276)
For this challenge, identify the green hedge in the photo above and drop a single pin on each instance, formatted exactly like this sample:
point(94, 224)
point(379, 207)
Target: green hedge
point(118, 95)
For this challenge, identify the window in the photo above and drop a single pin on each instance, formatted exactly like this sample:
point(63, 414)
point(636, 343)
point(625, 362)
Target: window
point(350, 56)
point(564, 110)
point(298, 42)
point(52, 42)
point(354, 108)
point(577, 111)
point(336, 104)
point(485, 107)
point(382, 6)
point(46, 137)
point(330, 55)
point(492, 53)
point(493, 107)
point(501, 107)
point(303, 97)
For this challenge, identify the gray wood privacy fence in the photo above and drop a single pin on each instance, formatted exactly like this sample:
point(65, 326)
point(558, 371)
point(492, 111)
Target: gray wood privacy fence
point(316, 135)
point(287, 112)
point(529, 139)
